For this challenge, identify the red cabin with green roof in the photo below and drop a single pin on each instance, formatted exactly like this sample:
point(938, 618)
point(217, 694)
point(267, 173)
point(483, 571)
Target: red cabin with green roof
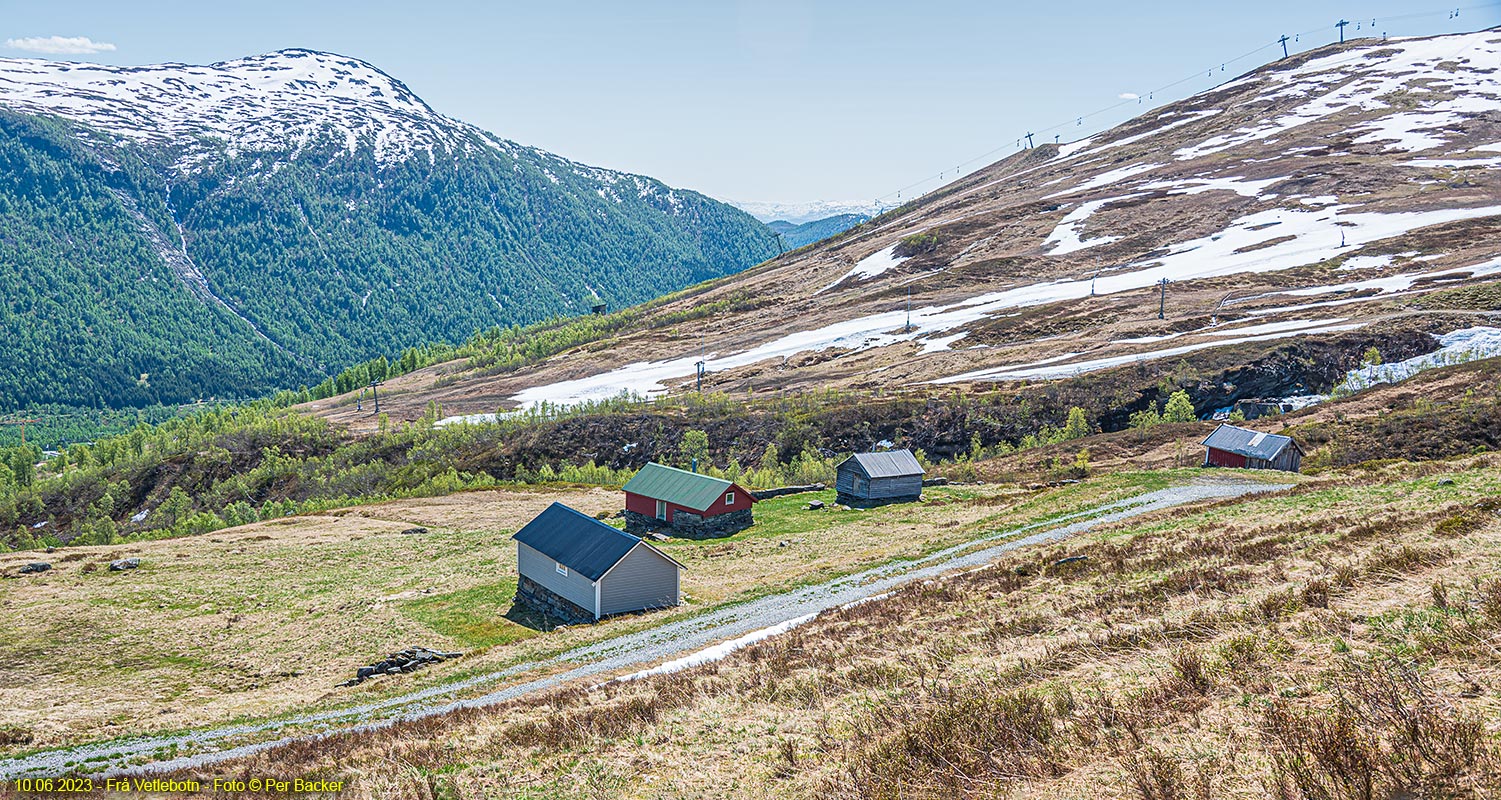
point(678, 502)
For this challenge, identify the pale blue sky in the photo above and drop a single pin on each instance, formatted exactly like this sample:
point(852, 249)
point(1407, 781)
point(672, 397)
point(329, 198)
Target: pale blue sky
point(778, 100)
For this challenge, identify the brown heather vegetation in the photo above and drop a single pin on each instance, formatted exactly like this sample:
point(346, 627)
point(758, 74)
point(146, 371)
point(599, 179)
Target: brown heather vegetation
point(1337, 641)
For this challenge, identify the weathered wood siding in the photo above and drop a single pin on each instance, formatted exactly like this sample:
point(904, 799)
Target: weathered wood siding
point(899, 486)
point(851, 480)
point(543, 570)
point(643, 579)
point(845, 480)
point(1289, 460)
point(1214, 457)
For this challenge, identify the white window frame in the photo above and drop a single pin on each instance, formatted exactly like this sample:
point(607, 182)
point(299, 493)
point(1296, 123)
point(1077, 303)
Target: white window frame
point(662, 510)
point(729, 498)
point(561, 568)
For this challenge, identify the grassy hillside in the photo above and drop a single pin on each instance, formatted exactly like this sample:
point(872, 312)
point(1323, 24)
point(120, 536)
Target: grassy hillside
point(265, 619)
point(1334, 641)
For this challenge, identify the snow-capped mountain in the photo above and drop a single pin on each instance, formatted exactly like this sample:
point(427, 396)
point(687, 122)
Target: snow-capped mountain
point(255, 223)
point(270, 103)
point(800, 213)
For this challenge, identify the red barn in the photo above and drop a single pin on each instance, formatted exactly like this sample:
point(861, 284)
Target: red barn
point(1241, 448)
point(685, 503)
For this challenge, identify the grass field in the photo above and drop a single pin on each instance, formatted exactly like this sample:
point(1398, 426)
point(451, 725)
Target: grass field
point(1338, 640)
point(263, 620)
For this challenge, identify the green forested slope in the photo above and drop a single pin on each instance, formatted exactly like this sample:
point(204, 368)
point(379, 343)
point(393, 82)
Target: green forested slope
point(90, 314)
point(320, 257)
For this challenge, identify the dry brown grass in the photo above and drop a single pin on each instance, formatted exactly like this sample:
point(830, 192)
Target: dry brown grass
point(1144, 671)
point(265, 619)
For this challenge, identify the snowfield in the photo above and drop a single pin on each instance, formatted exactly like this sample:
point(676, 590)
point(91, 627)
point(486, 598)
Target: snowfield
point(271, 103)
point(1044, 369)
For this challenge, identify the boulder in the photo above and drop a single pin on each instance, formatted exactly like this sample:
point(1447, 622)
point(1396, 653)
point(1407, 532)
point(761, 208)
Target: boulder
point(415, 530)
point(35, 566)
point(124, 564)
point(815, 505)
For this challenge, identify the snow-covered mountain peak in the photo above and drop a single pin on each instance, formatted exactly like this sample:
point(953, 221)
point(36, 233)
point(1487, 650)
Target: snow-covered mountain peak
point(277, 102)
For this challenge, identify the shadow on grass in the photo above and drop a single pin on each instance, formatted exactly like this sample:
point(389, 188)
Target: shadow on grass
point(528, 617)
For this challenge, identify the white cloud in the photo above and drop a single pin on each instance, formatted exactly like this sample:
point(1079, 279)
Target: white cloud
point(1129, 96)
point(59, 45)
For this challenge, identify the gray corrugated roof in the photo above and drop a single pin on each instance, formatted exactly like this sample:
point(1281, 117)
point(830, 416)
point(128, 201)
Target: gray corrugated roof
point(1246, 442)
point(575, 540)
point(892, 464)
point(688, 489)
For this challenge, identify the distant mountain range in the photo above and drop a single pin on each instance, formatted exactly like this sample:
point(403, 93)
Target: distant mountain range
point(800, 213)
point(795, 236)
point(176, 231)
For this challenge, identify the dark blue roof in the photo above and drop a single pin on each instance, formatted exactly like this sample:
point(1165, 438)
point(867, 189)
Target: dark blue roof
point(577, 541)
point(1246, 442)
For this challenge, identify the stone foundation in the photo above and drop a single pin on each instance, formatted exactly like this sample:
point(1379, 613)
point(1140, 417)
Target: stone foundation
point(866, 502)
point(688, 525)
point(537, 597)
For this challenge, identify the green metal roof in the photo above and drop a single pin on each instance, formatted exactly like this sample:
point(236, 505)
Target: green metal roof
point(687, 489)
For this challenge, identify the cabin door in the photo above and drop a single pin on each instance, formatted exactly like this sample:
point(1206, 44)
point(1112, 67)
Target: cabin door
point(662, 510)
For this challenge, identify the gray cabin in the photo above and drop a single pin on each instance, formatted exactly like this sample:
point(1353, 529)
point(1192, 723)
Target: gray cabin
point(872, 479)
point(1243, 448)
point(577, 569)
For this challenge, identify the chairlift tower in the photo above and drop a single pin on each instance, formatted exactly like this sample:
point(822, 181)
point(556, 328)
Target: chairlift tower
point(375, 396)
point(1341, 25)
point(1162, 299)
point(1283, 42)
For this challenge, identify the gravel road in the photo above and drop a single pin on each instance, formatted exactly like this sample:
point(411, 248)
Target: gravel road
point(673, 640)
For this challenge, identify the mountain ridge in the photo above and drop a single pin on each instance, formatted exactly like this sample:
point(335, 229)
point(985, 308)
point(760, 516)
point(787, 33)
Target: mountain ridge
point(1333, 192)
point(329, 214)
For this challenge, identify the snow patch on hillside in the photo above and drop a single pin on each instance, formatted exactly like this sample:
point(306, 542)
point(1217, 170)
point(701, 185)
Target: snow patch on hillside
point(1233, 183)
point(1409, 131)
point(1363, 77)
point(1456, 347)
point(869, 267)
point(1311, 236)
point(1107, 178)
point(1041, 370)
point(1065, 236)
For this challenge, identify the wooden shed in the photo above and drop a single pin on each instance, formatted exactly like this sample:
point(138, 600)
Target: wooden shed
point(578, 569)
point(872, 479)
point(1243, 448)
point(686, 503)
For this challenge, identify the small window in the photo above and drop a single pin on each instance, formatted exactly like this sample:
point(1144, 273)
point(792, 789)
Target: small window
point(729, 498)
point(562, 570)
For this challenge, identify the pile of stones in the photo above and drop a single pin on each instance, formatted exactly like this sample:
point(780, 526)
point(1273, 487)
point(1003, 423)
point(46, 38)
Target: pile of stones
point(406, 660)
